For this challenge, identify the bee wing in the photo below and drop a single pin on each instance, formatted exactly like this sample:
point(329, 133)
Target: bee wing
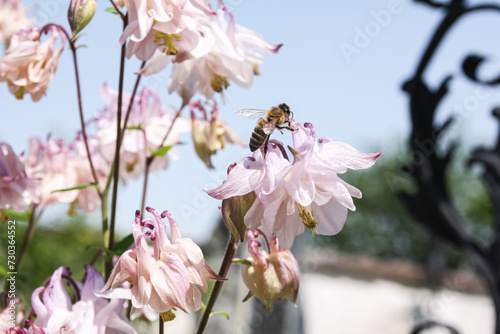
point(269, 128)
point(252, 113)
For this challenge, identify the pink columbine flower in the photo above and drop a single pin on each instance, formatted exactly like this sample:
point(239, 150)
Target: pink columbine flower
point(210, 134)
point(307, 192)
point(33, 329)
point(271, 275)
point(91, 313)
point(51, 165)
point(172, 27)
point(12, 18)
point(54, 166)
point(148, 125)
point(17, 190)
point(10, 316)
point(226, 52)
point(167, 277)
point(28, 65)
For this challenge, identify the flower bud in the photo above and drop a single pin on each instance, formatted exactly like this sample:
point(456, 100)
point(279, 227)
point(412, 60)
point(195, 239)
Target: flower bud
point(80, 12)
point(234, 210)
point(210, 135)
point(271, 276)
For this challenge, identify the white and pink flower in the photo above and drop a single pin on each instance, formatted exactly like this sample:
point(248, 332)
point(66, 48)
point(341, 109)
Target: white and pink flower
point(28, 65)
point(219, 52)
point(51, 165)
point(167, 276)
point(304, 193)
point(148, 124)
point(173, 27)
point(92, 312)
point(17, 190)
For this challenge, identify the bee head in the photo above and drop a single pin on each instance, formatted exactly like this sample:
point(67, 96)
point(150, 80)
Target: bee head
point(286, 109)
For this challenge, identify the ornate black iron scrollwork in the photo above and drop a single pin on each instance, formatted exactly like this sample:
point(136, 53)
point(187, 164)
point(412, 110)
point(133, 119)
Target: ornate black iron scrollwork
point(431, 204)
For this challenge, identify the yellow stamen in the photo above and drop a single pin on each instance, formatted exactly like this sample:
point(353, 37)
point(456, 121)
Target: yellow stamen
point(129, 166)
point(218, 83)
point(19, 94)
point(307, 215)
point(72, 209)
point(167, 40)
point(3, 216)
point(256, 70)
point(169, 315)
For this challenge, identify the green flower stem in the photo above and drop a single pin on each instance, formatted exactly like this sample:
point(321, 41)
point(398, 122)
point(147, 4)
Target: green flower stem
point(150, 159)
point(116, 171)
point(29, 234)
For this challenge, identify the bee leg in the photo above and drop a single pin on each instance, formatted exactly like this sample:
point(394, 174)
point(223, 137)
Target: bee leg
point(284, 127)
point(265, 146)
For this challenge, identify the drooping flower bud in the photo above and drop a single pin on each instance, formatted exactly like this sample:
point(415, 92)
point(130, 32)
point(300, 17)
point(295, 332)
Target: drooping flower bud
point(210, 135)
point(271, 276)
point(80, 12)
point(234, 210)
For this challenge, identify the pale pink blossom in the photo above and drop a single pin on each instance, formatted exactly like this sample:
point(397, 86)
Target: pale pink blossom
point(166, 277)
point(304, 193)
point(29, 64)
point(226, 52)
point(13, 17)
point(11, 315)
point(54, 166)
point(173, 27)
point(148, 124)
point(17, 190)
point(51, 165)
point(271, 275)
point(33, 329)
point(91, 313)
point(210, 133)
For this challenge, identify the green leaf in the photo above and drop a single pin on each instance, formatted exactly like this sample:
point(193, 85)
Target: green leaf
point(22, 216)
point(221, 313)
point(243, 261)
point(111, 10)
point(161, 151)
point(121, 246)
point(80, 186)
point(134, 127)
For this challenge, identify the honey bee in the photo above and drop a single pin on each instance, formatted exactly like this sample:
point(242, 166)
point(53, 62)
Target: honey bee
point(276, 118)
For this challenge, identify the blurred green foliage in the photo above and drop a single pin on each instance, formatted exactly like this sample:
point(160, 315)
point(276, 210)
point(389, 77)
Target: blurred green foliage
point(68, 242)
point(382, 227)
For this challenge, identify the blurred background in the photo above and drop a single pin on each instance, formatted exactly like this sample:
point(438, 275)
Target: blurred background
point(341, 68)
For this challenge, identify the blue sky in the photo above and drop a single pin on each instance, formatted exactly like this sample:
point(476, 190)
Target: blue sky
point(350, 96)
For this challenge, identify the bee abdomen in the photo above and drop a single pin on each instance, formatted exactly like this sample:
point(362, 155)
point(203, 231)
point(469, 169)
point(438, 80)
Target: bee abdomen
point(258, 135)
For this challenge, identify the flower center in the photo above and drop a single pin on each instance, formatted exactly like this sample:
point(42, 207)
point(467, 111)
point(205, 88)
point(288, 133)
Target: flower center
point(169, 315)
point(307, 215)
point(72, 209)
point(167, 40)
point(19, 94)
point(218, 83)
